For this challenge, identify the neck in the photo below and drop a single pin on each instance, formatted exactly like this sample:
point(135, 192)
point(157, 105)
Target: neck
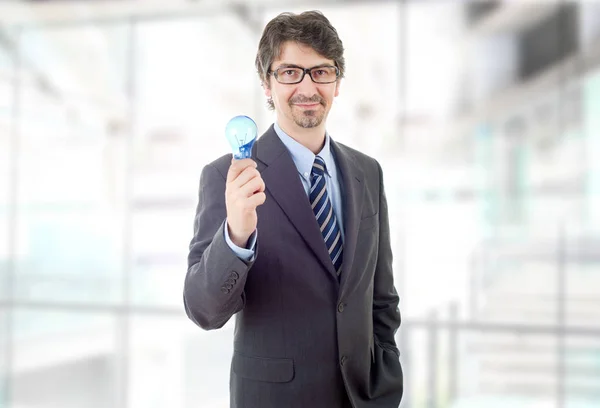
point(312, 138)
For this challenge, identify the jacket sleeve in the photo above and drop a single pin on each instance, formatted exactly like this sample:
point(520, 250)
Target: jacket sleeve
point(387, 379)
point(214, 283)
point(386, 315)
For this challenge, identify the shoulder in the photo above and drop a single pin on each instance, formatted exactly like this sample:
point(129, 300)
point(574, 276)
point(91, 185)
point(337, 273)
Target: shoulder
point(368, 164)
point(218, 166)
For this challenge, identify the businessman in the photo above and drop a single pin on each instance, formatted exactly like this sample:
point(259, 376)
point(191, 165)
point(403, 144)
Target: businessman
point(295, 243)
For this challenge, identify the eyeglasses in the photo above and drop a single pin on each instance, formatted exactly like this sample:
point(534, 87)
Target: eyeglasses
point(294, 75)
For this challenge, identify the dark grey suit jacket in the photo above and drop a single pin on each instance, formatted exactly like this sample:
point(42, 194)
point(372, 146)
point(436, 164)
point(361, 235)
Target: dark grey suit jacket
point(302, 339)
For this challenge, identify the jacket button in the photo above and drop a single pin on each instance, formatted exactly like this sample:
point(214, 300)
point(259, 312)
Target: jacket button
point(341, 307)
point(230, 281)
point(234, 275)
point(224, 289)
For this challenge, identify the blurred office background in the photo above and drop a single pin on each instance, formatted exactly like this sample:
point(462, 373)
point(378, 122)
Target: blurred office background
point(484, 115)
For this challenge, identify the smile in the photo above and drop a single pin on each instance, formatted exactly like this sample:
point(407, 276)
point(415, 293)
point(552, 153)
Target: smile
point(307, 105)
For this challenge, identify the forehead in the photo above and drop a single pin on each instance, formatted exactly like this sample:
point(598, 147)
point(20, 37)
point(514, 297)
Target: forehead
point(299, 54)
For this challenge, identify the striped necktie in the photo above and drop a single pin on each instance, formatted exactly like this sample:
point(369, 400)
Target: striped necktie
point(323, 210)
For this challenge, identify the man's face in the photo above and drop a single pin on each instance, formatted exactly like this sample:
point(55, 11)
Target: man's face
point(305, 104)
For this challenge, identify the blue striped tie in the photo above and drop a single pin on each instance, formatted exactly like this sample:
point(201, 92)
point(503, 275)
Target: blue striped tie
point(321, 205)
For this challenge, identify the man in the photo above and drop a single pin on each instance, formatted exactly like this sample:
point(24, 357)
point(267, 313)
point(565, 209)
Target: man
point(295, 242)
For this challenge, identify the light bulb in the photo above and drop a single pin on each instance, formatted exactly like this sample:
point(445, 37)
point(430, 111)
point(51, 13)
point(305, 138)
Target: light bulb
point(241, 132)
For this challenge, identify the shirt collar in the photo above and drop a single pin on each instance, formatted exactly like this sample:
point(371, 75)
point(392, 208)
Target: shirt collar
point(302, 156)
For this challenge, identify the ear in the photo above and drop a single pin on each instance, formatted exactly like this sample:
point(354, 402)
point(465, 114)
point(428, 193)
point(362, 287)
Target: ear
point(338, 83)
point(267, 88)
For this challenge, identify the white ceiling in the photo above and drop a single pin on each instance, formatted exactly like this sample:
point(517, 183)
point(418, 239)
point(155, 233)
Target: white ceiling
point(512, 15)
point(17, 12)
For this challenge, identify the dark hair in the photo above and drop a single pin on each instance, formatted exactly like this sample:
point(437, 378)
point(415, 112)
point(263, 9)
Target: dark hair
point(310, 28)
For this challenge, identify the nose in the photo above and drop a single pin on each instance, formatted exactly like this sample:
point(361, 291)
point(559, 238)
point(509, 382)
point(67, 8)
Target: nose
point(307, 86)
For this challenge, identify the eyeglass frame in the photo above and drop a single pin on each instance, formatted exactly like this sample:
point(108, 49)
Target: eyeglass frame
point(304, 72)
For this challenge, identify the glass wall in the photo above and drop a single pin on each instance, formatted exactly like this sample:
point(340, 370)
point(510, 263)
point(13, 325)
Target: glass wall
point(483, 116)
point(6, 142)
point(69, 227)
point(7, 68)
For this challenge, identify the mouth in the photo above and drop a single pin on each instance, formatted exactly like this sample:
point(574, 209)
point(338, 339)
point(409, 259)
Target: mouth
point(307, 105)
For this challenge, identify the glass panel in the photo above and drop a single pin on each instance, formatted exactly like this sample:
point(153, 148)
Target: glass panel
point(180, 366)
point(71, 167)
point(483, 201)
point(591, 123)
point(68, 358)
point(503, 367)
point(582, 370)
point(6, 133)
point(4, 245)
point(4, 336)
point(70, 255)
point(161, 238)
point(173, 141)
point(431, 177)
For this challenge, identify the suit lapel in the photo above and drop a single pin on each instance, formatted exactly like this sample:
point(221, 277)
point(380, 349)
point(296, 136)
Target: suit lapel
point(283, 183)
point(353, 191)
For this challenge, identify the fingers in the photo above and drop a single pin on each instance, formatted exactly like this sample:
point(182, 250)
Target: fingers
point(245, 176)
point(250, 203)
point(244, 181)
point(257, 199)
point(244, 191)
point(256, 185)
point(238, 166)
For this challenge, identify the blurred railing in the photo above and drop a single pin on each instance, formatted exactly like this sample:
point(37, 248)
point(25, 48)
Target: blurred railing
point(530, 331)
point(453, 370)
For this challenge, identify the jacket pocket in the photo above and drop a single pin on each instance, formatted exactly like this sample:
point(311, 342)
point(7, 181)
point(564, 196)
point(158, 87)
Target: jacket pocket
point(277, 370)
point(369, 222)
point(387, 347)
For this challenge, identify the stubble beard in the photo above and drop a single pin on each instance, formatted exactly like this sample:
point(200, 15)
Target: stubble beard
point(308, 119)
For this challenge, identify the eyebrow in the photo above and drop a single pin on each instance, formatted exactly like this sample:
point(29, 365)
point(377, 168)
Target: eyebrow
point(298, 66)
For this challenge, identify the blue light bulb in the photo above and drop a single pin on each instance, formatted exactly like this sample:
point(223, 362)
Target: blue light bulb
point(241, 132)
